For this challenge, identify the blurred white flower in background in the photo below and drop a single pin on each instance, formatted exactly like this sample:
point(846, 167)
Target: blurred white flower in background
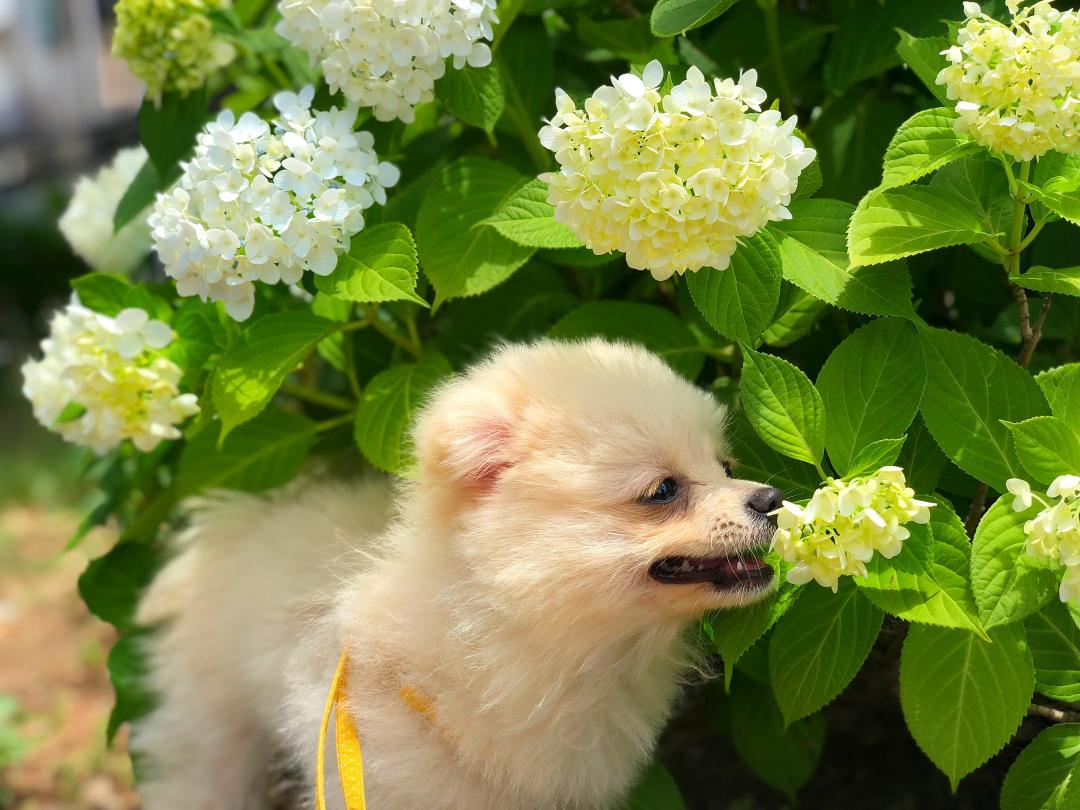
point(844, 524)
point(1054, 533)
point(102, 380)
point(1017, 86)
point(87, 222)
point(262, 202)
point(672, 180)
point(387, 54)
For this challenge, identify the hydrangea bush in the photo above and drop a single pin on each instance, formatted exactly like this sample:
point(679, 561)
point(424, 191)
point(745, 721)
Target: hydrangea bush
point(876, 270)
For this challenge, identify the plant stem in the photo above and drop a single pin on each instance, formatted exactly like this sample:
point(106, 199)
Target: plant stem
point(626, 8)
point(392, 334)
point(772, 37)
point(1016, 232)
point(1050, 713)
point(337, 421)
point(350, 367)
point(317, 397)
point(1030, 333)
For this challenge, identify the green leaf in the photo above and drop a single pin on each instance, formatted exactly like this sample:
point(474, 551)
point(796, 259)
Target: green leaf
point(872, 457)
point(629, 39)
point(901, 222)
point(108, 293)
point(1046, 279)
point(261, 454)
point(655, 328)
point(783, 407)
point(739, 302)
point(923, 56)
point(111, 585)
point(871, 387)
point(964, 697)
point(526, 62)
point(140, 195)
point(921, 458)
point(462, 260)
point(128, 671)
point(783, 756)
point(168, 131)
point(818, 647)
point(380, 266)
point(735, 630)
point(813, 257)
point(385, 415)
point(473, 95)
point(527, 218)
point(71, 412)
point(924, 143)
point(1062, 198)
point(1041, 776)
point(981, 182)
point(1061, 386)
point(1008, 583)
point(757, 461)
point(671, 17)
point(251, 372)
point(795, 318)
point(970, 389)
point(655, 790)
point(1047, 447)
point(1054, 639)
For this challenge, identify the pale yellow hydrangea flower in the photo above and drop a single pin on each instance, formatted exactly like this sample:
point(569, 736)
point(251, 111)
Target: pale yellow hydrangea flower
point(1054, 533)
point(1017, 86)
point(844, 524)
point(672, 180)
point(101, 380)
point(170, 44)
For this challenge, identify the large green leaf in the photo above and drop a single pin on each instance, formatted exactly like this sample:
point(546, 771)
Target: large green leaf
point(461, 259)
point(871, 387)
point(964, 697)
point(970, 388)
point(671, 17)
point(655, 328)
point(168, 129)
point(739, 302)
point(380, 266)
point(921, 458)
point(474, 95)
point(1054, 639)
point(389, 404)
point(252, 371)
point(1043, 773)
point(261, 454)
point(782, 755)
point(1061, 385)
point(899, 222)
point(630, 39)
point(1047, 279)
point(527, 218)
point(655, 790)
point(1047, 447)
point(813, 256)
point(818, 647)
point(128, 671)
point(1007, 581)
point(111, 584)
point(757, 461)
point(140, 195)
point(923, 56)
point(924, 143)
point(783, 406)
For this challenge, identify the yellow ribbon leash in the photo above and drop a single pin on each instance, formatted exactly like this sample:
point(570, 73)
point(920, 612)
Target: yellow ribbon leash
point(350, 761)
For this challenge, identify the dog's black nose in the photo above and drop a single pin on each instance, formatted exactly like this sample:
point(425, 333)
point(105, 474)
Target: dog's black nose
point(764, 500)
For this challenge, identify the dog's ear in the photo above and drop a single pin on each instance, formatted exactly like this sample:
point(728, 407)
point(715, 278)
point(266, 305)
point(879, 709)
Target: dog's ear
point(463, 434)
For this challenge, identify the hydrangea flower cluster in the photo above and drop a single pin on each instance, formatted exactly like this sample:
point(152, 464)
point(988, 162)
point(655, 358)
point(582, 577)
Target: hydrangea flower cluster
point(387, 54)
point(87, 222)
point(262, 203)
point(1017, 87)
point(672, 180)
point(1054, 533)
point(844, 523)
point(102, 380)
point(170, 44)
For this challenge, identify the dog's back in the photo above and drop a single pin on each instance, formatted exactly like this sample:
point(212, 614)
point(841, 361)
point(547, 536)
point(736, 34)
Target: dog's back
point(250, 577)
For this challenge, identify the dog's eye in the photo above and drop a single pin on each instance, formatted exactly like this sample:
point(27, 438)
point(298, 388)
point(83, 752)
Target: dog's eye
point(727, 467)
point(665, 491)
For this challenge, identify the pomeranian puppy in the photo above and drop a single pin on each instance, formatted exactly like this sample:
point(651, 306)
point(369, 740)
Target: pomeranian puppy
point(572, 510)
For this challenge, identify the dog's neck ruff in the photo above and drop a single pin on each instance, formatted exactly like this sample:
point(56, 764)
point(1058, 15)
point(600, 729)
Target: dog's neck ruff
point(350, 760)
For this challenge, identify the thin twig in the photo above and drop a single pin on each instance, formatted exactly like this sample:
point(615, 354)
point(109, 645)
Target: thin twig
point(978, 507)
point(626, 8)
point(1050, 713)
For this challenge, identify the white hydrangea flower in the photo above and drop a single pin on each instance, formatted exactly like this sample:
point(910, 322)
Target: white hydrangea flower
point(101, 380)
point(672, 181)
point(387, 54)
point(1017, 86)
point(1054, 533)
point(844, 524)
point(87, 222)
point(265, 203)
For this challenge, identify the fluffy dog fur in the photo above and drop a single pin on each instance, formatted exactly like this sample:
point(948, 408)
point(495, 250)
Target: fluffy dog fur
point(511, 586)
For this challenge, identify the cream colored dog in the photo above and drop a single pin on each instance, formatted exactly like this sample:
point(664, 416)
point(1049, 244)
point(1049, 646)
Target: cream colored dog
point(573, 510)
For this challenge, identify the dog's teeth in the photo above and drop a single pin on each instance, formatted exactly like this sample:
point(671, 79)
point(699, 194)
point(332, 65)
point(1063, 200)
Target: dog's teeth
point(686, 567)
point(739, 566)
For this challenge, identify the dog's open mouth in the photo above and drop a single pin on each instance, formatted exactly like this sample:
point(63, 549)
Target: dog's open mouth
point(746, 570)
